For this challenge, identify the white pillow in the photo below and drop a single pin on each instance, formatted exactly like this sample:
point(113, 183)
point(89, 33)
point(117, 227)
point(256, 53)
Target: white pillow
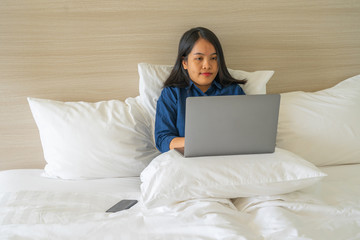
point(93, 140)
point(171, 178)
point(152, 78)
point(323, 127)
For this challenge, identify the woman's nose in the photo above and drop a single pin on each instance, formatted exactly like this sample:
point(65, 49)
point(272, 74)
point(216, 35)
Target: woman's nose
point(206, 64)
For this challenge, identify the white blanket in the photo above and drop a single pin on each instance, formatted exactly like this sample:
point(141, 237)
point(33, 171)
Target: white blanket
point(41, 208)
point(60, 215)
point(328, 210)
point(33, 207)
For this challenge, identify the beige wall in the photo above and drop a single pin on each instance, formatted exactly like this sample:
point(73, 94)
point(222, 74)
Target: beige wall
point(89, 50)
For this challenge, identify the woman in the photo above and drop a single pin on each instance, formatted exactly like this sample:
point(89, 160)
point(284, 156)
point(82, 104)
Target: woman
point(199, 70)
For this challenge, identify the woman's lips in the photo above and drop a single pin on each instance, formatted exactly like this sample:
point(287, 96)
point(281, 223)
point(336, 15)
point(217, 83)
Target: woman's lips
point(206, 74)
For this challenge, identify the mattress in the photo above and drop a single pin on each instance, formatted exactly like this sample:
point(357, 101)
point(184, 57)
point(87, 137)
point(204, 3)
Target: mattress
point(35, 207)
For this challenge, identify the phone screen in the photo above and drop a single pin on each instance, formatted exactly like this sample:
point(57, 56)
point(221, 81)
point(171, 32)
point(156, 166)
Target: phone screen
point(122, 205)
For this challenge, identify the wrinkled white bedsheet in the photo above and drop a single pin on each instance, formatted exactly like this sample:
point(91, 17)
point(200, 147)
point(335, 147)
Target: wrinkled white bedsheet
point(328, 210)
point(33, 207)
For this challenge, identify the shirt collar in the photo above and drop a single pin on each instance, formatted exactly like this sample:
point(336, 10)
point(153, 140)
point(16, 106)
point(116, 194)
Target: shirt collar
point(217, 84)
point(213, 84)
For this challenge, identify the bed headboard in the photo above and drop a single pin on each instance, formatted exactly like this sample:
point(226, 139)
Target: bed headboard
point(89, 50)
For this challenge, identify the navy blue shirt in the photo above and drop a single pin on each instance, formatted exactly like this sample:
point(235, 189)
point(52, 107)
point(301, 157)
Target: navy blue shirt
point(170, 110)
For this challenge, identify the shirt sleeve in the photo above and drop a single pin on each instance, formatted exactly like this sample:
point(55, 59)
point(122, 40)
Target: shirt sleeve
point(165, 120)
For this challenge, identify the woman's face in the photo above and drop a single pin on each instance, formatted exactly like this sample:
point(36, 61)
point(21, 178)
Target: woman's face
point(202, 64)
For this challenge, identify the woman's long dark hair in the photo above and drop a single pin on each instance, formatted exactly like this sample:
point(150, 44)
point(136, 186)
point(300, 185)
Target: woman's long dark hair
point(179, 76)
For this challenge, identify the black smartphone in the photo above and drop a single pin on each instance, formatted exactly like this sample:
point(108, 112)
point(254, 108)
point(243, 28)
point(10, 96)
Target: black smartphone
point(122, 205)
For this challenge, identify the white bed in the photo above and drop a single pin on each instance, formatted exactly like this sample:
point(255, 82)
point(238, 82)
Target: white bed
point(100, 153)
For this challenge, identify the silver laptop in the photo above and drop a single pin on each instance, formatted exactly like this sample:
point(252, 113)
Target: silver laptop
point(229, 125)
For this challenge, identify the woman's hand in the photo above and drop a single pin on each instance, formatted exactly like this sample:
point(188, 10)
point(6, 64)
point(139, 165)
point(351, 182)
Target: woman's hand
point(178, 142)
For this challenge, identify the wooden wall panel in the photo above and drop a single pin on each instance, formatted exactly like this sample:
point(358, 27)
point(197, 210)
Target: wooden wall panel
point(89, 50)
